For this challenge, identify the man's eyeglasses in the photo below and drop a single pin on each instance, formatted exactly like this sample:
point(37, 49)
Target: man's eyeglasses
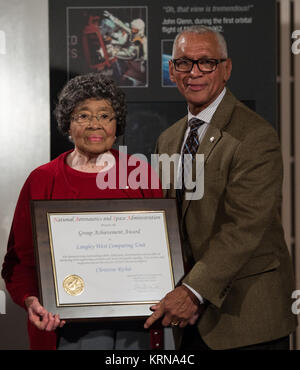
point(86, 118)
point(204, 65)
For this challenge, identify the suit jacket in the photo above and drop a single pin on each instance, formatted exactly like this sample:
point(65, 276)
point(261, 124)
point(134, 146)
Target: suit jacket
point(241, 263)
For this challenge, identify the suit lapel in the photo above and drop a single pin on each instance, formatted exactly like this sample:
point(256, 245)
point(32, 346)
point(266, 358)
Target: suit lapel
point(207, 145)
point(209, 141)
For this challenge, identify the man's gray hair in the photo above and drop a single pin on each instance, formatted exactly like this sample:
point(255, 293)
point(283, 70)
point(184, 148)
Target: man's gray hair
point(201, 30)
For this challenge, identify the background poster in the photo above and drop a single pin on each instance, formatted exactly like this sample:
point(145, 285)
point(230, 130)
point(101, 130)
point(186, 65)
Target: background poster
point(131, 42)
point(111, 40)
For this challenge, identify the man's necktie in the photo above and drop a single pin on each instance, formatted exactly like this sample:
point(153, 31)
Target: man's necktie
point(190, 147)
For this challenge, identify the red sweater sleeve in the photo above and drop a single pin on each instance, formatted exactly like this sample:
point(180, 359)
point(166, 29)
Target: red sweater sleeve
point(19, 270)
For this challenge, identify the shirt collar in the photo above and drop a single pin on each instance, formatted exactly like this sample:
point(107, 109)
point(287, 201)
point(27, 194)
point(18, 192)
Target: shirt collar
point(207, 113)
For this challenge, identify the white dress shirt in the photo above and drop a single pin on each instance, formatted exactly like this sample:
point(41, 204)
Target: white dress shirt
point(206, 116)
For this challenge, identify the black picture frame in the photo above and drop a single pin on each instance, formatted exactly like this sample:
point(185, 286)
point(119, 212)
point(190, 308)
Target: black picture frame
point(40, 209)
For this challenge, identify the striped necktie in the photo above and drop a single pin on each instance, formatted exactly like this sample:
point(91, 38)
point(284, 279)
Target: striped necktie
point(190, 147)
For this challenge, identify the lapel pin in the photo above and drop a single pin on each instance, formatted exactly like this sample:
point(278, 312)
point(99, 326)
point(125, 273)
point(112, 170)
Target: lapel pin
point(212, 139)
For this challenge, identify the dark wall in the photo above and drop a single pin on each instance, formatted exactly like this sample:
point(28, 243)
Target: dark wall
point(153, 103)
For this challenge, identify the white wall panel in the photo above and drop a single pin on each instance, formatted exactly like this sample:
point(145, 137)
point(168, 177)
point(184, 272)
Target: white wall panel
point(24, 126)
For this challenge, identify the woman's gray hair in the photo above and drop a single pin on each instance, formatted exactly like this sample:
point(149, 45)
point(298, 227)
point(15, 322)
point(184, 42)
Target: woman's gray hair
point(89, 86)
point(201, 30)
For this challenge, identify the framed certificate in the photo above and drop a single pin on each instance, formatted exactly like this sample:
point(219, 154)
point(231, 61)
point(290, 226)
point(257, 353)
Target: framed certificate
point(106, 258)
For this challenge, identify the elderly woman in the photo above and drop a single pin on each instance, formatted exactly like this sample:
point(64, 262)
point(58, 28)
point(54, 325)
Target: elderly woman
point(91, 110)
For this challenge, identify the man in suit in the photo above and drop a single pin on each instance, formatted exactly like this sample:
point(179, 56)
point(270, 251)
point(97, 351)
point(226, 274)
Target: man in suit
point(237, 292)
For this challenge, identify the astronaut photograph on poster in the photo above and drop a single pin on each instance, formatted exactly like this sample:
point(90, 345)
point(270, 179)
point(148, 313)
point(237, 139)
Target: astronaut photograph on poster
point(110, 40)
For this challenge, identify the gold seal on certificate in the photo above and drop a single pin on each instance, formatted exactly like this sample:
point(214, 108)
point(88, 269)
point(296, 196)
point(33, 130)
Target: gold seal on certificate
point(73, 285)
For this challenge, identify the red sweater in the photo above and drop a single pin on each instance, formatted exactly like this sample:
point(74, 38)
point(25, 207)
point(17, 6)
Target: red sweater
point(54, 180)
